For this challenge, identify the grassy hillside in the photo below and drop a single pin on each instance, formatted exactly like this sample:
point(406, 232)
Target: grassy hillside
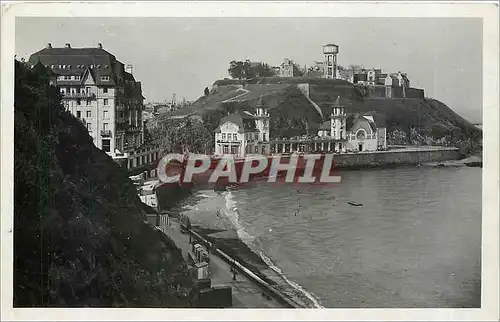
point(429, 116)
point(80, 237)
point(292, 114)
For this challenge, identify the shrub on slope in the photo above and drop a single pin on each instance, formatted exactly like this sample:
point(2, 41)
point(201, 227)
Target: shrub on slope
point(79, 233)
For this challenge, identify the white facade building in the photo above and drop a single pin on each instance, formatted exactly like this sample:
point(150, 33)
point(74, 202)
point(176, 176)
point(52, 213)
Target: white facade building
point(353, 132)
point(242, 133)
point(286, 68)
point(365, 135)
point(101, 92)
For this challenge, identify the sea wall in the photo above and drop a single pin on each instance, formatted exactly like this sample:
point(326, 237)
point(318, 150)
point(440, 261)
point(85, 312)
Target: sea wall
point(395, 157)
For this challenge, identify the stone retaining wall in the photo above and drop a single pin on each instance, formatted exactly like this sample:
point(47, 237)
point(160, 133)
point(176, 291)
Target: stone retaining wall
point(395, 158)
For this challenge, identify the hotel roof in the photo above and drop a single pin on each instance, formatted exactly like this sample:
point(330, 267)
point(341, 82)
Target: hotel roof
point(96, 61)
point(245, 121)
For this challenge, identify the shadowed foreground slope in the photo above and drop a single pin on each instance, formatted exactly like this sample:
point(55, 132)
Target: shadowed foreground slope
point(80, 237)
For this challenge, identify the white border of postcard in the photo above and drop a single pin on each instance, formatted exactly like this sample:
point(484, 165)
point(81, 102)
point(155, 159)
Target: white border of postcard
point(487, 11)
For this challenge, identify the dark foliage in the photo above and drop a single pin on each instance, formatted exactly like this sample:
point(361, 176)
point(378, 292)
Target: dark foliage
point(428, 117)
point(175, 136)
point(294, 116)
point(80, 237)
point(245, 70)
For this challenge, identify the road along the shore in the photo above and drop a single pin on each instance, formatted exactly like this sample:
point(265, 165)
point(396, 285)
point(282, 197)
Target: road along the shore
point(247, 292)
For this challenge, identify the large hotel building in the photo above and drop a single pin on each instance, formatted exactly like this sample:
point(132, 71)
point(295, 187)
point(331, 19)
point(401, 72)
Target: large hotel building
point(101, 91)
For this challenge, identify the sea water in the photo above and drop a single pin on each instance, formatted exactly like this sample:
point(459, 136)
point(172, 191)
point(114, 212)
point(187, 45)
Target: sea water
point(415, 242)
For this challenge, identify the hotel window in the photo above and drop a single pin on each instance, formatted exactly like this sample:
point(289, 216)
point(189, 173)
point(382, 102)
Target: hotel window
point(88, 102)
point(89, 113)
point(256, 149)
point(235, 137)
point(105, 126)
point(88, 89)
point(105, 90)
point(89, 127)
point(106, 145)
point(105, 101)
point(78, 102)
point(105, 78)
point(78, 114)
point(105, 114)
point(225, 149)
point(77, 77)
point(223, 136)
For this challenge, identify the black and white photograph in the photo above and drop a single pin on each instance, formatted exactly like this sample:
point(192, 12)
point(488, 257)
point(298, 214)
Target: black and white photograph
point(224, 158)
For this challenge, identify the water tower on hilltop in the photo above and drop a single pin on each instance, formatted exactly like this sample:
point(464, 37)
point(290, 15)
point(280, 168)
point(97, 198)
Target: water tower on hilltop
point(330, 52)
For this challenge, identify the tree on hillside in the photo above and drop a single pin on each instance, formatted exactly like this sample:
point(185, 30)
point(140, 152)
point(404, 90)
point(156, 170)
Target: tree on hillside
point(294, 116)
point(355, 68)
point(263, 70)
point(362, 90)
point(176, 136)
point(240, 69)
point(206, 91)
point(245, 70)
point(297, 71)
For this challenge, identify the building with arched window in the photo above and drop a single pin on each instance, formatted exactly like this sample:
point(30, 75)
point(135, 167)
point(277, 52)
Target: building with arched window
point(353, 132)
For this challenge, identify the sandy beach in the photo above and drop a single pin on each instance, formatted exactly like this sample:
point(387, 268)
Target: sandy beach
point(225, 232)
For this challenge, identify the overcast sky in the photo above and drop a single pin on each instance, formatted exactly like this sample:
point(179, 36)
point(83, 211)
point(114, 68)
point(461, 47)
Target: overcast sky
point(184, 55)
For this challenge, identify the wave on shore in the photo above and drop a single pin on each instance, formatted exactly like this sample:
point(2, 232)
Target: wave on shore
point(231, 212)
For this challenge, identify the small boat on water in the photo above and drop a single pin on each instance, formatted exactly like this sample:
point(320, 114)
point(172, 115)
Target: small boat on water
point(352, 203)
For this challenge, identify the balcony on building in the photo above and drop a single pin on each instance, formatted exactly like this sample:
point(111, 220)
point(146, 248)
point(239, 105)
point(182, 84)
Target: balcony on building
point(73, 95)
point(105, 133)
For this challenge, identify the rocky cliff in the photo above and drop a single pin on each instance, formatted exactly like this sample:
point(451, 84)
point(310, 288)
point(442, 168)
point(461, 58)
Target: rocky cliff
point(80, 237)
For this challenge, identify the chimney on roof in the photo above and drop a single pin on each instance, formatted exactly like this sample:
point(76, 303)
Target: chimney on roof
point(99, 45)
point(68, 45)
point(49, 45)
